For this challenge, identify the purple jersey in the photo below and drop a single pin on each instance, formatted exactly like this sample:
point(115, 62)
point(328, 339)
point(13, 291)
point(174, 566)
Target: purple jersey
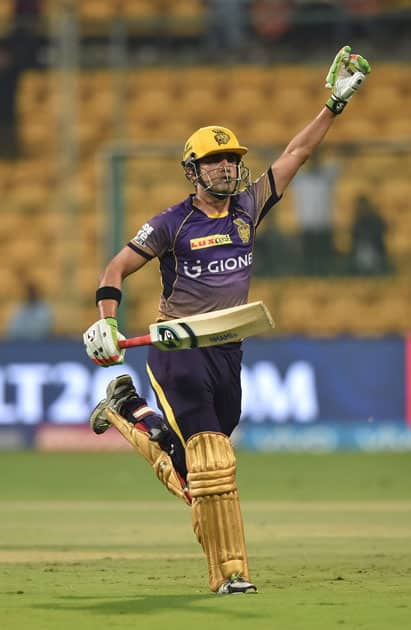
point(206, 262)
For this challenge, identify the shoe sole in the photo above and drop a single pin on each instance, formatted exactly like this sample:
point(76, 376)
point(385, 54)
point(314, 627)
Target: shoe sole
point(248, 591)
point(237, 588)
point(100, 424)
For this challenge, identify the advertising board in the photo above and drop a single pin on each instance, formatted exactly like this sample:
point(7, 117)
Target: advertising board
point(298, 393)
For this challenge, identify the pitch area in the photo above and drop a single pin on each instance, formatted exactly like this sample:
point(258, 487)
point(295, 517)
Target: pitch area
point(93, 541)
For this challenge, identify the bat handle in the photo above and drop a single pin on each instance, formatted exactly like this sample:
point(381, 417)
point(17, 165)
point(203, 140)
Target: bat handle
point(132, 342)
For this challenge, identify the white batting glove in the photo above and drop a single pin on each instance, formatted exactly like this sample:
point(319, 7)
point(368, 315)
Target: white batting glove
point(345, 76)
point(101, 342)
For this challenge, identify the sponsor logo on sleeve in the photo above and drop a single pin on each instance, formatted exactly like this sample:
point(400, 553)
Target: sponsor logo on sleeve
point(143, 233)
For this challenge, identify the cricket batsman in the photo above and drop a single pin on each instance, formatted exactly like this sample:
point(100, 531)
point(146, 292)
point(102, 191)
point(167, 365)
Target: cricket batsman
point(205, 248)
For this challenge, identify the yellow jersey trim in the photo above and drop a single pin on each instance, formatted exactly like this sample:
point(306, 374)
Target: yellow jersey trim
point(165, 404)
point(216, 216)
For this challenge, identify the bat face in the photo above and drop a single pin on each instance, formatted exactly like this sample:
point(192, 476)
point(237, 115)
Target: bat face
point(210, 329)
point(182, 337)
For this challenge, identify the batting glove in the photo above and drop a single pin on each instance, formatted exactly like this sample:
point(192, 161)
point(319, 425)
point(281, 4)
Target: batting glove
point(101, 342)
point(345, 76)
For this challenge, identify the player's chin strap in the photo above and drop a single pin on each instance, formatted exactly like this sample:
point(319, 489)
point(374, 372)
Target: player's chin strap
point(196, 176)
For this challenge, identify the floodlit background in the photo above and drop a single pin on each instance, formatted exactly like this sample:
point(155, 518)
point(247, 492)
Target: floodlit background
point(97, 100)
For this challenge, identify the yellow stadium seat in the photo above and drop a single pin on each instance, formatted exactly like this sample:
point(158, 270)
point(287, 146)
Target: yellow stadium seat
point(201, 102)
point(247, 101)
point(268, 132)
point(47, 277)
point(154, 101)
point(97, 10)
point(395, 194)
point(142, 10)
point(6, 15)
point(399, 127)
point(86, 280)
point(34, 93)
point(163, 78)
point(38, 136)
point(215, 79)
point(185, 17)
point(383, 99)
point(96, 98)
point(186, 8)
point(10, 284)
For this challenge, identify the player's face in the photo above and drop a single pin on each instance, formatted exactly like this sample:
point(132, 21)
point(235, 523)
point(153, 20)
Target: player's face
point(219, 172)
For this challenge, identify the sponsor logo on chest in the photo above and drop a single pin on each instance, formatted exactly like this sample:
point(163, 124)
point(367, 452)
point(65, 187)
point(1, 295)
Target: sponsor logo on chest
point(210, 241)
point(194, 269)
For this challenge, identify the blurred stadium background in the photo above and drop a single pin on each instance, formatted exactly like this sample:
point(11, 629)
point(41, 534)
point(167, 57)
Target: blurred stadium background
point(106, 92)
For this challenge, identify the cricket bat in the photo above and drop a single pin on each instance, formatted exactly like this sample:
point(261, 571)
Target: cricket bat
point(207, 329)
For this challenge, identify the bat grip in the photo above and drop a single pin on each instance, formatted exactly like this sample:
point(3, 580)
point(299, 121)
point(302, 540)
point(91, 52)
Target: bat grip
point(132, 342)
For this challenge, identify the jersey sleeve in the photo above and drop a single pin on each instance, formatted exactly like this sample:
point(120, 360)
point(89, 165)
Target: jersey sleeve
point(154, 238)
point(260, 197)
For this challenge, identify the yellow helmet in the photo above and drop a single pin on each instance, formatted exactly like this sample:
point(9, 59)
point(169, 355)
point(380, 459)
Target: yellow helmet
point(212, 139)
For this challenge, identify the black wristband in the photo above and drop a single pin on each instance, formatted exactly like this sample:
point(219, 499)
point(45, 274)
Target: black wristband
point(335, 104)
point(108, 293)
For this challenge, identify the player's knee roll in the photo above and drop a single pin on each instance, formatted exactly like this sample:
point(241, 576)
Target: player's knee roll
point(211, 464)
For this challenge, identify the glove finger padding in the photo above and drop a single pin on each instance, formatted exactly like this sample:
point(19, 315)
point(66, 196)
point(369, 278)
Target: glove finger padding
point(338, 67)
point(345, 77)
point(101, 342)
point(358, 63)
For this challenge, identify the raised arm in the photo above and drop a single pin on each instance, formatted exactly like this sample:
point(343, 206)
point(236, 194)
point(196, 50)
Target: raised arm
point(300, 148)
point(344, 78)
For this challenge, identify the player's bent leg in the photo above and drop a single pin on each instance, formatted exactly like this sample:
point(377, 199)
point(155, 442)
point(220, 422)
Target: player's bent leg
point(217, 519)
point(158, 459)
point(120, 396)
point(142, 427)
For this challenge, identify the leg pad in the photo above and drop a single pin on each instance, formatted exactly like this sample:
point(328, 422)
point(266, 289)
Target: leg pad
point(217, 519)
point(159, 460)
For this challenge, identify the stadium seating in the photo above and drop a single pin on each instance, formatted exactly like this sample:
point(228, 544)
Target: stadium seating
point(159, 107)
point(144, 17)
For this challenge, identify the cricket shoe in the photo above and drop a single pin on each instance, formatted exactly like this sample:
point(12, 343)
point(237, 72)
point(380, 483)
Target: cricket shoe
point(236, 584)
point(121, 396)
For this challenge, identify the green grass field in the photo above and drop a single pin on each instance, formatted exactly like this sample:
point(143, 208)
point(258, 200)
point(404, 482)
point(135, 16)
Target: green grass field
point(93, 541)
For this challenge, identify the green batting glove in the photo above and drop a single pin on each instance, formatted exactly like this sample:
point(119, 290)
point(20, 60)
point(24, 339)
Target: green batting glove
point(345, 76)
point(101, 342)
